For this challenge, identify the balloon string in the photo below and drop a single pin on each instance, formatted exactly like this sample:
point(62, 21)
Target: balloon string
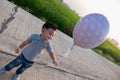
point(67, 53)
point(72, 47)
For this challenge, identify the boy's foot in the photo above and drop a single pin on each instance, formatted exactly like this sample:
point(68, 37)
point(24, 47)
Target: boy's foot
point(2, 70)
point(16, 77)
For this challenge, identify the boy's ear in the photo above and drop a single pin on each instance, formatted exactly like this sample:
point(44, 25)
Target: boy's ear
point(43, 29)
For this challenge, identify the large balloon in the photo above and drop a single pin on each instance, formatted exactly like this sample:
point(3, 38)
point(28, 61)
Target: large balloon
point(91, 30)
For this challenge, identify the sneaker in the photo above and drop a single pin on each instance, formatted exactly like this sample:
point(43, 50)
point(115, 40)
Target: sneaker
point(16, 77)
point(2, 70)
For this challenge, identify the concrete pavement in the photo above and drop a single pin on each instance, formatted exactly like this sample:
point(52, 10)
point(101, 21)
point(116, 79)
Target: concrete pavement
point(81, 64)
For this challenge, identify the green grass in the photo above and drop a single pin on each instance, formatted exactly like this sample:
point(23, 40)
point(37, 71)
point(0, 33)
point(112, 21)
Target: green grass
point(55, 11)
point(51, 10)
point(110, 51)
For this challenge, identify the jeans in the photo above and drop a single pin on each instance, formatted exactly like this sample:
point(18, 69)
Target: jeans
point(20, 60)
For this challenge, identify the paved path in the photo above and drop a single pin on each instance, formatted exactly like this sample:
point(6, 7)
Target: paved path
point(81, 64)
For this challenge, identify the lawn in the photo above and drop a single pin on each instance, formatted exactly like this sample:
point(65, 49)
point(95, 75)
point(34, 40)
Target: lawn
point(109, 50)
point(51, 10)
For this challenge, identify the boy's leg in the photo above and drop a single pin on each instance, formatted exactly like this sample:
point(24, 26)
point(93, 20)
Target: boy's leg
point(16, 62)
point(23, 67)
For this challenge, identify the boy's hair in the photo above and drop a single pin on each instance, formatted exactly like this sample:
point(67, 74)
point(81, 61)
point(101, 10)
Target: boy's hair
point(50, 25)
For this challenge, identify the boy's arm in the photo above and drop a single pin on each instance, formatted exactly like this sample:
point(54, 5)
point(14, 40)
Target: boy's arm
point(53, 57)
point(24, 43)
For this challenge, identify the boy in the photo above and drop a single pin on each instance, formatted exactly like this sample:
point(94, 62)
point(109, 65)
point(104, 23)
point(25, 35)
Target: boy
point(36, 42)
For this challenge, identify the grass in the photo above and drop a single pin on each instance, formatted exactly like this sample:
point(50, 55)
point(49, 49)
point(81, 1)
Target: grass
point(55, 11)
point(110, 51)
point(51, 10)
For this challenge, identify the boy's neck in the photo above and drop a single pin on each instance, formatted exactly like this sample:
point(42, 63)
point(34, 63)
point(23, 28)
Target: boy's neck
point(42, 38)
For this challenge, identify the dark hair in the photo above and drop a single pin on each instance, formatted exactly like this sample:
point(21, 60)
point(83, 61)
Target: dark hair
point(50, 25)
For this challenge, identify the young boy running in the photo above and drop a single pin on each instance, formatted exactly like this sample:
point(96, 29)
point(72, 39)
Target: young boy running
point(32, 48)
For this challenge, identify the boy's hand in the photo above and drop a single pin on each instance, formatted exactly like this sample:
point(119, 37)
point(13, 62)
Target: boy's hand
point(17, 51)
point(53, 57)
point(55, 62)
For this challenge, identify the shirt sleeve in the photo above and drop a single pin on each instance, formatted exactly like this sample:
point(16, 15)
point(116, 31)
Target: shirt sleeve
point(30, 38)
point(49, 48)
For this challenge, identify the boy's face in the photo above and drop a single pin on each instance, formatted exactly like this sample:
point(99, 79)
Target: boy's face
point(48, 34)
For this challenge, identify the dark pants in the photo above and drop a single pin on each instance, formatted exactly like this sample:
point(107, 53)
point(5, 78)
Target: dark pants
point(20, 60)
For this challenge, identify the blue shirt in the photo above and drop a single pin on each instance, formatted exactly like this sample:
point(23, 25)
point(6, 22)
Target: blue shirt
point(35, 47)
